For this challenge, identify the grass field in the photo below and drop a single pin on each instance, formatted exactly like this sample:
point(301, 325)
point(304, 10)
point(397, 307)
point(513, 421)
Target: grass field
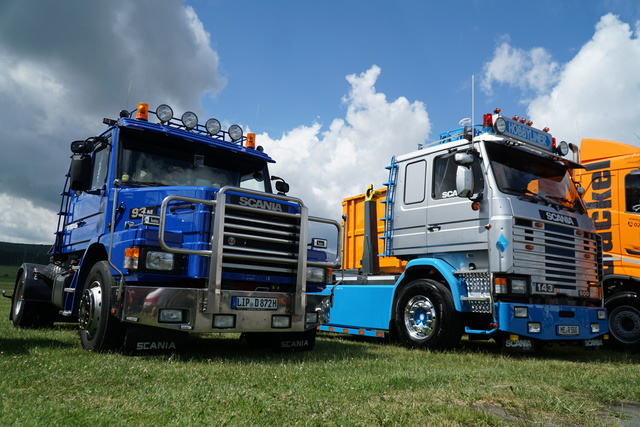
point(47, 379)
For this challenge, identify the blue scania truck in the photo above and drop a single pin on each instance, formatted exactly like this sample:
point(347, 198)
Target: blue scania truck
point(482, 233)
point(169, 227)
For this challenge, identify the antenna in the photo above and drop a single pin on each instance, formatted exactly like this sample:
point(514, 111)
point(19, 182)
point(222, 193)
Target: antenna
point(473, 101)
point(126, 105)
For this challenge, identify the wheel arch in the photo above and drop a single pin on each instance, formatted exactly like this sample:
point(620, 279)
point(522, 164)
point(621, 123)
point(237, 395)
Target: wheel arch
point(94, 253)
point(621, 296)
point(430, 268)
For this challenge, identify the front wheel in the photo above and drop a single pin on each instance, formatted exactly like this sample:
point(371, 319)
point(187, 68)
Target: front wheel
point(624, 323)
point(425, 316)
point(99, 330)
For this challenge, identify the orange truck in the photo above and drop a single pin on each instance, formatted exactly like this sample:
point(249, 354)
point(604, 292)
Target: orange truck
point(611, 180)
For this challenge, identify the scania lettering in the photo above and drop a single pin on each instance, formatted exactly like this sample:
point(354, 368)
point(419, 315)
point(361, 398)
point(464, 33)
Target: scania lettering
point(167, 228)
point(611, 180)
point(261, 204)
point(481, 233)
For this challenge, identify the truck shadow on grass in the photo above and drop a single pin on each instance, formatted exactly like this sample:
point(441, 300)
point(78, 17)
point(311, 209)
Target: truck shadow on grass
point(558, 352)
point(24, 346)
point(206, 348)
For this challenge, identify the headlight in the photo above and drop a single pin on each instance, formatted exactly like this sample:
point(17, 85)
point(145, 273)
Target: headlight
point(602, 314)
point(595, 328)
point(170, 315)
point(522, 312)
point(159, 261)
point(316, 274)
point(518, 286)
point(534, 327)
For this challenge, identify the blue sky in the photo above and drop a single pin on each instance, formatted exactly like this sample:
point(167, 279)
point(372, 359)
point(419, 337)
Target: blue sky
point(287, 61)
point(332, 88)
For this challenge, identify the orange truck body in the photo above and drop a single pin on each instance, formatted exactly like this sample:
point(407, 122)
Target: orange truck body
point(611, 180)
point(354, 229)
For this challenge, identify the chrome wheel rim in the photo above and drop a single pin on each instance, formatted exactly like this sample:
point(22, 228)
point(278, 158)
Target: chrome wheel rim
point(420, 317)
point(90, 309)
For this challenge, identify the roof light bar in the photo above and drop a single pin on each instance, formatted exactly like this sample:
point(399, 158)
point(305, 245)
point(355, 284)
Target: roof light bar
point(164, 113)
point(235, 133)
point(213, 126)
point(189, 120)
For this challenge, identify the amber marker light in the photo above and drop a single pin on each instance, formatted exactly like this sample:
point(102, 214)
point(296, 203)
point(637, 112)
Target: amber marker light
point(251, 140)
point(143, 111)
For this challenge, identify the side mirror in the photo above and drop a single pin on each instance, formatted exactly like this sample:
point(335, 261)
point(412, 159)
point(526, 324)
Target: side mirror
point(464, 181)
point(82, 147)
point(281, 186)
point(80, 174)
point(469, 182)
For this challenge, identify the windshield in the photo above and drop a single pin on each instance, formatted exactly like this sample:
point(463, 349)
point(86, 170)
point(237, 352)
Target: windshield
point(531, 176)
point(150, 160)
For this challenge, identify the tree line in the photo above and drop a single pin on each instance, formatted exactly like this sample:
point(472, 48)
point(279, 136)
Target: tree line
point(17, 253)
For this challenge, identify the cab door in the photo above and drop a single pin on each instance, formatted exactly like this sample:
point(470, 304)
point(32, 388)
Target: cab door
point(86, 212)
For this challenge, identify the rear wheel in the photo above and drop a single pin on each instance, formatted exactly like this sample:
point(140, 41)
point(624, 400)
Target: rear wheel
point(425, 316)
point(624, 323)
point(99, 330)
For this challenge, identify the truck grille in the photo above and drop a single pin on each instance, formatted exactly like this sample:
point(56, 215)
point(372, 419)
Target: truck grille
point(557, 255)
point(259, 248)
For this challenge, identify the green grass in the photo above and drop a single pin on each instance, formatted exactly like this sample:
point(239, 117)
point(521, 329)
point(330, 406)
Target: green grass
point(47, 379)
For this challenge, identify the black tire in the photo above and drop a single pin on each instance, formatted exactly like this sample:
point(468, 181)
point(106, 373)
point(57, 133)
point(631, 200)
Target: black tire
point(99, 330)
point(624, 323)
point(23, 313)
point(425, 316)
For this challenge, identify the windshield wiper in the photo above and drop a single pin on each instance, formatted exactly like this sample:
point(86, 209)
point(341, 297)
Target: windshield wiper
point(146, 183)
point(565, 203)
point(547, 200)
point(532, 195)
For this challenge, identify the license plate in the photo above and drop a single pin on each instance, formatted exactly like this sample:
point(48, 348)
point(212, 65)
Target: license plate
point(568, 330)
point(254, 303)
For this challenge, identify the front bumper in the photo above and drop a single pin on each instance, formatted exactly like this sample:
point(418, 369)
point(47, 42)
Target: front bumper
point(555, 322)
point(143, 305)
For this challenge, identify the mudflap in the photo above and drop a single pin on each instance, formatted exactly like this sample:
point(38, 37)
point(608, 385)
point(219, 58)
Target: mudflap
point(141, 339)
point(518, 344)
point(282, 341)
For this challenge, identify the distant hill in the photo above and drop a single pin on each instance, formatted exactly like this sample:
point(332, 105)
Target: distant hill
point(17, 253)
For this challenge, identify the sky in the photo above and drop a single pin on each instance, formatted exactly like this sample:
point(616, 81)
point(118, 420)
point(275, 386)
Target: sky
point(333, 89)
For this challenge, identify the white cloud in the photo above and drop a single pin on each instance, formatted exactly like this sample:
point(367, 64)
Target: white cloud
point(324, 167)
point(595, 95)
point(67, 65)
point(531, 71)
point(598, 90)
point(40, 227)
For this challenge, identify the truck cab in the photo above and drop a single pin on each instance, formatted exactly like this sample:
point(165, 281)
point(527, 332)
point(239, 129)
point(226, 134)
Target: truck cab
point(171, 227)
point(494, 242)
